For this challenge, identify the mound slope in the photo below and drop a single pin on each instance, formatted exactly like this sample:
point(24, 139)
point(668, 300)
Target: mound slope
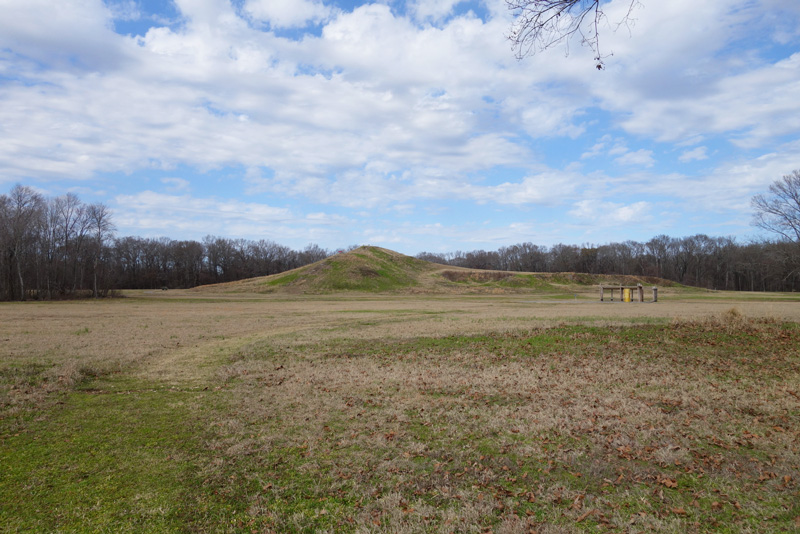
point(378, 270)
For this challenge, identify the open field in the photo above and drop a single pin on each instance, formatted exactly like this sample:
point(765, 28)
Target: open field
point(211, 412)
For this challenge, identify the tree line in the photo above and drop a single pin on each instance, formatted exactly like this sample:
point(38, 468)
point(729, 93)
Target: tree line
point(699, 260)
point(61, 247)
point(52, 248)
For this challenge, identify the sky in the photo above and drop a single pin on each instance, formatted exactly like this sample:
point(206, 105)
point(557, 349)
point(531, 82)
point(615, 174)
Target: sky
point(403, 124)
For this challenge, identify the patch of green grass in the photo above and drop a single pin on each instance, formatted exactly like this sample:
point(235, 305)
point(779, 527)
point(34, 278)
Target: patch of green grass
point(526, 280)
point(18, 374)
point(128, 460)
point(284, 280)
point(377, 272)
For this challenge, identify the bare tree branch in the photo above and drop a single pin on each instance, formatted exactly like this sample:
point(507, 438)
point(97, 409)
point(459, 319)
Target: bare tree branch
point(542, 24)
point(779, 211)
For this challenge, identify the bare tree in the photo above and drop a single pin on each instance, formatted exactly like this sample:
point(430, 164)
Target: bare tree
point(100, 224)
point(24, 207)
point(73, 222)
point(779, 211)
point(6, 271)
point(542, 24)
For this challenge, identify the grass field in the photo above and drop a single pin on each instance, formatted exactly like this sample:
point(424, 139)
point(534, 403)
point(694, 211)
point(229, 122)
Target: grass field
point(186, 411)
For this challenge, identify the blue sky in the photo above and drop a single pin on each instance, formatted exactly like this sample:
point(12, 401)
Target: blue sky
point(408, 125)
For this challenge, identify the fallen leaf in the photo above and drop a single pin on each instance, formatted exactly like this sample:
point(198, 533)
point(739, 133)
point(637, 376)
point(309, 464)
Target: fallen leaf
point(669, 482)
point(679, 511)
point(587, 514)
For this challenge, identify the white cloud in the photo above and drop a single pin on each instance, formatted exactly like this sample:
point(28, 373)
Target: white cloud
point(184, 216)
point(593, 152)
point(124, 9)
point(176, 184)
point(735, 182)
point(69, 34)
point(685, 71)
point(433, 10)
point(641, 157)
point(287, 13)
point(605, 214)
point(380, 110)
point(620, 148)
point(728, 186)
point(750, 108)
point(696, 154)
point(152, 202)
point(544, 188)
point(213, 15)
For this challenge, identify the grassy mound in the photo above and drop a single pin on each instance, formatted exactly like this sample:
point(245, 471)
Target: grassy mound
point(370, 269)
point(367, 269)
point(378, 270)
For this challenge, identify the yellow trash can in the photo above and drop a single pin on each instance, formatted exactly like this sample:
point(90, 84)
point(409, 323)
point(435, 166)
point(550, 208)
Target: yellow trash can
point(626, 295)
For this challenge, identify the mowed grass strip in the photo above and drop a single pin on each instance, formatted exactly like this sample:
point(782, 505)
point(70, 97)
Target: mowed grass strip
point(692, 426)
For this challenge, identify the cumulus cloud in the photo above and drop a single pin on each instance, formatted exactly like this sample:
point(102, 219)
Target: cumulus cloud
point(287, 13)
point(433, 10)
point(124, 10)
point(734, 182)
point(154, 203)
point(68, 34)
point(158, 214)
point(676, 80)
point(604, 214)
point(750, 108)
point(372, 108)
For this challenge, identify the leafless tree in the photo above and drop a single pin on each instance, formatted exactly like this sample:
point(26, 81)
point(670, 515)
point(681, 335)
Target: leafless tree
point(24, 207)
point(542, 24)
point(779, 211)
point(102, 228)
point(6, 272)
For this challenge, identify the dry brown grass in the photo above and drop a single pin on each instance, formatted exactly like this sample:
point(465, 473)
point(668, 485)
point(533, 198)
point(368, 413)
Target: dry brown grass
point(162, 333)
point(436, 414)
point(460, 423)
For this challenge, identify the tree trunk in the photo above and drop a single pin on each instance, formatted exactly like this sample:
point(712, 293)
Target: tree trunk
point(21, 280)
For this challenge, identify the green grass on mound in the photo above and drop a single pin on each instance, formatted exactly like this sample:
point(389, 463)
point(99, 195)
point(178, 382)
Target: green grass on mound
point(366, 269)
point(377, 270)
